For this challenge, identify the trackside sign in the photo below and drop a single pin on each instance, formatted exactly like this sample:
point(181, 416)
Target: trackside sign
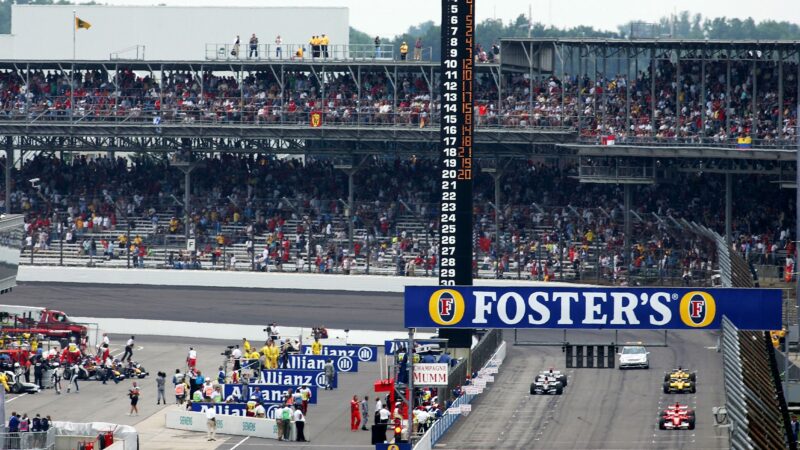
point(431, 374)
point(615, 308)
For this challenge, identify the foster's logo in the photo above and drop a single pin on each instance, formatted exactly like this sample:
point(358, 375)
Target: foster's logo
point(698, 309)
point(446, 307)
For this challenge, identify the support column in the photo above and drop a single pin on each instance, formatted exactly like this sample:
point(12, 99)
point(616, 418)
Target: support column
point(728, 208)
point(628, 94)
point(677, 93)
point(579, 87)
point(186, 167)
point(652, 92)
point(779, 125)
point(703, 95)
point(351, 207)
point(728, 111)
point(603, 95)
point(627, 217)
point(754, 104)
point(187, 200)
point(9, 165)
point(497, 212)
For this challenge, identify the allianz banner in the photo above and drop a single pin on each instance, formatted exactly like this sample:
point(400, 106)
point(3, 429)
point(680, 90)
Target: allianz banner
point(267, 392)
point(586, 307)
point(364, 353)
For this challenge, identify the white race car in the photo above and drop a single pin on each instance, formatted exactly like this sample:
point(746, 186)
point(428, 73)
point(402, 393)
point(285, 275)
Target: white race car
point(544, 384)
point(562, 377)
point(634, 357)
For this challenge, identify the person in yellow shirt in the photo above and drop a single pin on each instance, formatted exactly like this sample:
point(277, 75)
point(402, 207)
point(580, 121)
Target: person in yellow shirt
point(4, 381)
point(245, 346)
point(265, 348)
point(403, 51)
point(272, 355)
point(314, 49)
point(316, 347)
point(324, 43)
point(299, 53)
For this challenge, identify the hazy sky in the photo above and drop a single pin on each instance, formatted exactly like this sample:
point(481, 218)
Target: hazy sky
point(387, 18)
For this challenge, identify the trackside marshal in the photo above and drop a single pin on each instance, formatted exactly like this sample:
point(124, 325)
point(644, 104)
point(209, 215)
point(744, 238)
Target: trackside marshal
point(588, 307)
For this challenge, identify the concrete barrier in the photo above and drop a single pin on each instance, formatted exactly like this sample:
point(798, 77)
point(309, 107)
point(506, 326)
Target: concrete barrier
point(235, 425)
point(254, 280)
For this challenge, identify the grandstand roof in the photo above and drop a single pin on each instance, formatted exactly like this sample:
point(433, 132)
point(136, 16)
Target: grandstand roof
point(668, 43)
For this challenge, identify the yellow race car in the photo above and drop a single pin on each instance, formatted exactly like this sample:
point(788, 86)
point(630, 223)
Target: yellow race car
point(679, 386)
point(680, 374)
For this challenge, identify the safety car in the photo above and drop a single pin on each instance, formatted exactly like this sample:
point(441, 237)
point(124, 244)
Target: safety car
point(634, 356)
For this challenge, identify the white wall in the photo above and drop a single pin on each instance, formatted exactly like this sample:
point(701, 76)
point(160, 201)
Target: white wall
point(6, 46)
point(168, 33)
point(253, 280)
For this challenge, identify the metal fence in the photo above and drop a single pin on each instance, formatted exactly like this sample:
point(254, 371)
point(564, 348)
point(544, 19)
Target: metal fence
point(479, 355)
point(40, 440)
point(755, 405)
point(291, 52)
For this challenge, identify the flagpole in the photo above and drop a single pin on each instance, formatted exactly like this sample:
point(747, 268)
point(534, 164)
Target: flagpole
point(72, 72)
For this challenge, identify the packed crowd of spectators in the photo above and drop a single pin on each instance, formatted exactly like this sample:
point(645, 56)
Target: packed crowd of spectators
point(549, 221)
point(689, 107)
point(685, 107)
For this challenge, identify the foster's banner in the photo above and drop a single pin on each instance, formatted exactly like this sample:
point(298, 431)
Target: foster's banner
point(615, 308)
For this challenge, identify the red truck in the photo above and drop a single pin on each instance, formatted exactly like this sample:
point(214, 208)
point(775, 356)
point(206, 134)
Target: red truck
point(47, 322)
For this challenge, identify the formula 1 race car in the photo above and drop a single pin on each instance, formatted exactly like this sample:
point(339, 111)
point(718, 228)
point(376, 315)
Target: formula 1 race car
point(17, 384)
point(676, 417)
point(545, 384)
point(680, 374)
point(561, 377)
point(680, 386)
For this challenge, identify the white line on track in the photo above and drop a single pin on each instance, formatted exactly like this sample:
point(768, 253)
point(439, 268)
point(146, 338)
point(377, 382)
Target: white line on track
point(240, 442)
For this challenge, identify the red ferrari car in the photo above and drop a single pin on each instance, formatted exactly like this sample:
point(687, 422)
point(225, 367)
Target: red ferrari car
point(676, 417)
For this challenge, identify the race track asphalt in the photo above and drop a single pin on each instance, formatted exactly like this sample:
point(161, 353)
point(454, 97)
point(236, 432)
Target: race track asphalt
point(365, 311)
point(601, 409)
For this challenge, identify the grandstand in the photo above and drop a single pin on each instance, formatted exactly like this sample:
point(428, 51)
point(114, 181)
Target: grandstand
point(570, 135)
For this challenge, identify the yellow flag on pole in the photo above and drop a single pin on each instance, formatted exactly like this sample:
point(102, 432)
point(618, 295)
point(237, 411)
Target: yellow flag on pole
point(82, 24)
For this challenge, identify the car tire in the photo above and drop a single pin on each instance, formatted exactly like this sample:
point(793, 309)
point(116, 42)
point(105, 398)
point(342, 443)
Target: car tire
point(666, 387)
point(693, 389)
point(693, 377)
point(563, 380)
point(559, 390)
point(662, 423)
point(691, 422)
point(647, 366)
point(533, 390)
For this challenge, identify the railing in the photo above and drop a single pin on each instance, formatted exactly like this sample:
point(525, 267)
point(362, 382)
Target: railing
point(242, 112)
point(136, 53)
point(39, 440)
point(787, 143)
point(291, 52)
